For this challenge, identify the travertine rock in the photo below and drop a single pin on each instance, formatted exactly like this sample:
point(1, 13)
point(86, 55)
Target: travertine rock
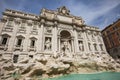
point(51, 67)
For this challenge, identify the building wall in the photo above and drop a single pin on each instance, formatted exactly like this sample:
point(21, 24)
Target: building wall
point(111, 36)
point(30, 35)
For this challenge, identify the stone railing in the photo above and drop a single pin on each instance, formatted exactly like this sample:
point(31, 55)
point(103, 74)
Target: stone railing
point(8, 29)
point(34, 32)
point(21, 30)
point(18, 47)
point(32, 48)
point(3, 47)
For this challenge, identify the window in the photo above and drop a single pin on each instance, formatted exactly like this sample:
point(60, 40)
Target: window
point(101, 47)
point(15, 58)
point(113, 28)
point(4, 41)
point(117, 34)
point(31, 56)
point(19, 42)
point(32, 43)
point(95, 47)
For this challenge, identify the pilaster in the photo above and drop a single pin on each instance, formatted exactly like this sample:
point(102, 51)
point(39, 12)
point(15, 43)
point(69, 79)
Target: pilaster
point(13, 37)
point(27, 35)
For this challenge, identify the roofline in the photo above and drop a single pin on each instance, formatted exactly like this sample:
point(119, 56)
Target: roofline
point(110, 25)
point(21, 12)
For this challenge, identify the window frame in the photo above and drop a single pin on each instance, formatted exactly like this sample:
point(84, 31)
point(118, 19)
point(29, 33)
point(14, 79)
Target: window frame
point(19, 37)
point(19, 42)
point(32, 43)
point(32, 39)
point(2, 38)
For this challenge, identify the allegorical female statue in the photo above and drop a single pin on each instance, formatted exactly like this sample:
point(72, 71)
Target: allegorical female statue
point(48, 44)
point(66, 46)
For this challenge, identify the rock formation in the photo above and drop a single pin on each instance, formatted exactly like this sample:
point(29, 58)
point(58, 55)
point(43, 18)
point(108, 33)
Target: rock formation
point(51, 66)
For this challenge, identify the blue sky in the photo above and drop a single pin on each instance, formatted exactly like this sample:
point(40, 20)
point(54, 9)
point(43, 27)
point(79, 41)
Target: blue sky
point(98, 13)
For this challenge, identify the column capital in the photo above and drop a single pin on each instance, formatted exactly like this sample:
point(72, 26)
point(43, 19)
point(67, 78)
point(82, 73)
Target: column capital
point(72, 37)
point(4, 20)
point(58, 36)
point(74, 27)
point(17, 20)
point(42, 21)
point(55, 23)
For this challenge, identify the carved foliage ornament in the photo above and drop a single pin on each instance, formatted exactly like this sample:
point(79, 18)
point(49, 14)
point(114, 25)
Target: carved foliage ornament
point(48, 30)
point(79, 34)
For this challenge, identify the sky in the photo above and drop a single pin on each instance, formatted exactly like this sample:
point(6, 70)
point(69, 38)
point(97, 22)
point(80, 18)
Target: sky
point(99, 13)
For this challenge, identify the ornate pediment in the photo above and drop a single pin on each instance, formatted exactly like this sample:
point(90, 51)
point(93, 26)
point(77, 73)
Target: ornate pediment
point(63, 10)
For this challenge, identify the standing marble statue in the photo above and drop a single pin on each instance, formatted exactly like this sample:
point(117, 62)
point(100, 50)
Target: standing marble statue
point(48, 44)
point(81, 46)
point(66, 46)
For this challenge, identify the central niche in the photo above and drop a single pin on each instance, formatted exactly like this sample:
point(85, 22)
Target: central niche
point(65, 41)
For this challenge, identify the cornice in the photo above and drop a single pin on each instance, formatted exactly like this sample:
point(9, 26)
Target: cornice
point(19, 16)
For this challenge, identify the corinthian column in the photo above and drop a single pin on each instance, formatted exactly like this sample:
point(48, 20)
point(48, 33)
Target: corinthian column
point(41, 37)
point(75, 39)
point(85, 42)
point(54, 37)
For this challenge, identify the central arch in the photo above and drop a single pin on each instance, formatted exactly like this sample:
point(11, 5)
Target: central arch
point(65, 41)
point(65, 34)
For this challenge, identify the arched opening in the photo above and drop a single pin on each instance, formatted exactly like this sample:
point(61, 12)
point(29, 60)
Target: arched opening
point(65, 42)
point(65, 34)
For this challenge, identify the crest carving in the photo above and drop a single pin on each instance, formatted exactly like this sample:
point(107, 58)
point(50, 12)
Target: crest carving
point(63, 10)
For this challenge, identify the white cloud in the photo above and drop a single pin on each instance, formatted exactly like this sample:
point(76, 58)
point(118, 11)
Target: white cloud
point(88, 10)
point(89, 13)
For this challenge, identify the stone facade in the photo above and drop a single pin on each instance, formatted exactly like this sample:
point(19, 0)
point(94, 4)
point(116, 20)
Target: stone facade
point(51, 32)
point(54, 39)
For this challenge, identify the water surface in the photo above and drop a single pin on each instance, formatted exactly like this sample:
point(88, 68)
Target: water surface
point(94, 76)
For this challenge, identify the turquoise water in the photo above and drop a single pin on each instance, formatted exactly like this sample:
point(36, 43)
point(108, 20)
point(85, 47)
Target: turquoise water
point(97, 76)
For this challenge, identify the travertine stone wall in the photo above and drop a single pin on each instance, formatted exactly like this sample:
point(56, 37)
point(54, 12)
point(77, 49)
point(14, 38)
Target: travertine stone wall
point(52, 32)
